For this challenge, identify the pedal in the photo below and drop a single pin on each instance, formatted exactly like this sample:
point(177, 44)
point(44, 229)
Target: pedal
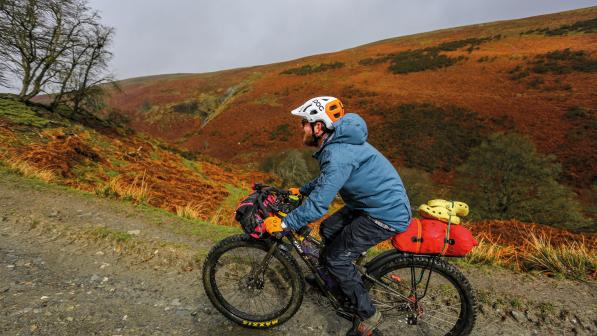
point(411, 320)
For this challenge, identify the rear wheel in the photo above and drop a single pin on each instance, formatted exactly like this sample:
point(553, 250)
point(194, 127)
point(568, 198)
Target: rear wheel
point(245, 293)
point(416, 301)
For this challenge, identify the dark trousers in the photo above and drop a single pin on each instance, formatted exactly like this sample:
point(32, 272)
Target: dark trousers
point(346, 234)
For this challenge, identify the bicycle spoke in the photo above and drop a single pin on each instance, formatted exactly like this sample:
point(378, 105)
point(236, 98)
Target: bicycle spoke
point(441, 313)
point(437, 318)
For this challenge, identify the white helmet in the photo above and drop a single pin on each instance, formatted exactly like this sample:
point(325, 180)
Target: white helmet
point(325, 109)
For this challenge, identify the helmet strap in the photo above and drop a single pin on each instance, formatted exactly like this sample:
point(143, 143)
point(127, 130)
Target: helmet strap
point(315, 137)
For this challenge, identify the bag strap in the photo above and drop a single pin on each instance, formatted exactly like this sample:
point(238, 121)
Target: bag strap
point(447, 238)
point(419, 234)
point(260, 199)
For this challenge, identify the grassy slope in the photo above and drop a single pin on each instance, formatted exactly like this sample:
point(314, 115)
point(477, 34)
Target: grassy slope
point(243, 106)
point(111, 163)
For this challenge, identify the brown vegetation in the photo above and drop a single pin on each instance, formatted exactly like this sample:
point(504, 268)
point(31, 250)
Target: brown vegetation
point(125, 167)
point(241, 132)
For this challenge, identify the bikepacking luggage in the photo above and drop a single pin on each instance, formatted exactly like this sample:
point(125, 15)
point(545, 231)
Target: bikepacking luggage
point(251, 212)
point(438, 232)
point(263, 202)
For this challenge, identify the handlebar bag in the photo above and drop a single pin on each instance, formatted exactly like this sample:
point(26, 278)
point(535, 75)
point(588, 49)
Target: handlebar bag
point(252, 210)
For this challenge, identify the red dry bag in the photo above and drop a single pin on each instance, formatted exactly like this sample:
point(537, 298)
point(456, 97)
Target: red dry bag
point(428, 236)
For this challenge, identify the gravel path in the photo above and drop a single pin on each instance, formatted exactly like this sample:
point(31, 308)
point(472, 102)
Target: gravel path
point(56, 278)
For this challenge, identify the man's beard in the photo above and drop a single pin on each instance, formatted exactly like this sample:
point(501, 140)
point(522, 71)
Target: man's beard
point(310, 140)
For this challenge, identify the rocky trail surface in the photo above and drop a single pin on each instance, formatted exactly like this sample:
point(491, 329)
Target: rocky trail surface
point(73, 264)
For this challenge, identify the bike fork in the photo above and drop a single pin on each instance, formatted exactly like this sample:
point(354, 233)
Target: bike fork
point(261, 267)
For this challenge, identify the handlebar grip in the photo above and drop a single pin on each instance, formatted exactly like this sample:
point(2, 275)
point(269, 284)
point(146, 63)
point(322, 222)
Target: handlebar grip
point(305, 231)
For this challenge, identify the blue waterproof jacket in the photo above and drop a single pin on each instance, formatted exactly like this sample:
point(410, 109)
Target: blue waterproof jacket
point(365, 179)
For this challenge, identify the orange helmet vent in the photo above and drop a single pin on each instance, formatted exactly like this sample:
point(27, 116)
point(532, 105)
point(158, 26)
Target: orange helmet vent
point(334, 110)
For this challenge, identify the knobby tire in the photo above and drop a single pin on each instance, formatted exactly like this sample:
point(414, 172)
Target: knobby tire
point(287, 273)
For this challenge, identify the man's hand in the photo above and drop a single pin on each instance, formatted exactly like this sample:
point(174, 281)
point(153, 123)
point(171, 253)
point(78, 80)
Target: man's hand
point(273, 224)
point(295, 191)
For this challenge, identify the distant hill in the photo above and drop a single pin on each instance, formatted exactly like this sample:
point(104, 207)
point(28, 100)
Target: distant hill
point(535, 76)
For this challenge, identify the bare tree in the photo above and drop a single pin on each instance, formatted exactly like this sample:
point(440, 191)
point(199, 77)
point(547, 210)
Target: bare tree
point(81, 75)
point(54, 46)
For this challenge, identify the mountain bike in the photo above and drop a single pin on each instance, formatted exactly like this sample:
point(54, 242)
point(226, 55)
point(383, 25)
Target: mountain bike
point(257, 283)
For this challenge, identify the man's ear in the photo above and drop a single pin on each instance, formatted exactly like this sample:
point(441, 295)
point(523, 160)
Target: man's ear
point(319, 126)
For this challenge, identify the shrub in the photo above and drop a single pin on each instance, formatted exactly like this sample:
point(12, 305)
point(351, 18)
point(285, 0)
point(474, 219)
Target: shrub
point(556, 62)
point(518, 73)
point(420, 60)
point(293, 167)
point(535, 82)
point(427, 136)
point(188, 107)
point(281, 133)
point(351, 91)
point(577, 113)
point(459, 44)
point(506, 178)
point(429, 58)
point(117, 118)
point(312, 68)
point(586, 26)
point(577, 152)
point(206, 104)
point(378, 60)
point(563, 61)
point(145, 107)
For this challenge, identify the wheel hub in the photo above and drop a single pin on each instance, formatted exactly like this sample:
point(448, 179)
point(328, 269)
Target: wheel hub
point(416, 308)
point(252, 286)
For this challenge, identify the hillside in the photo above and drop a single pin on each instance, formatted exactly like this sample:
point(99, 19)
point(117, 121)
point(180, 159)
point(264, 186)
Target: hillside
point(77, 262)
point(97, 155)
point(534, 76)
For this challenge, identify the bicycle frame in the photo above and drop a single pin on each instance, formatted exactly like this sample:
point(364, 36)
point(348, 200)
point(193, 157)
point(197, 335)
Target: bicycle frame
point(336, 304)
point(414, 297)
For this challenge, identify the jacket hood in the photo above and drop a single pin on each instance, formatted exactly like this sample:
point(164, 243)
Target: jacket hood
point(351, 129)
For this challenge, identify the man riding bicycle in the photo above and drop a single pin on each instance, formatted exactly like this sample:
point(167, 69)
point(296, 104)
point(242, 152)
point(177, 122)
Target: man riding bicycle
point(376, 204)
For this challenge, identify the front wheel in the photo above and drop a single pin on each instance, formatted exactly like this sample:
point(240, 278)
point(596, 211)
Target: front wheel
point(422, 296)
point(244, 292)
